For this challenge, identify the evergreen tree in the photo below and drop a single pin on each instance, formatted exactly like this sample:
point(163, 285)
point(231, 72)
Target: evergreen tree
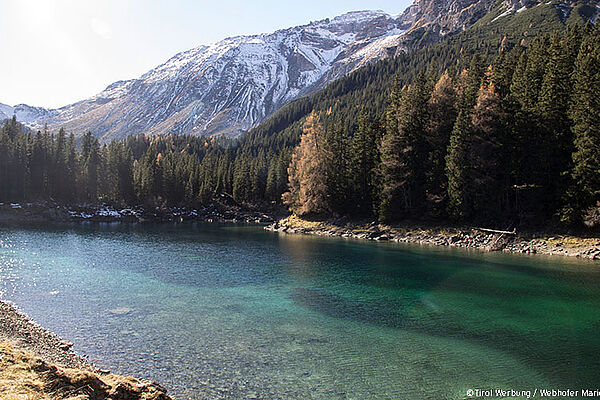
point(552, 111)
point(337, 144)
point(585, 112)
point(37, 163)
point(59, 189)
point(242, 184)
point(71, 170)
point(460, 196)
point(363, 156)
point(91, 163)
point(402, 154)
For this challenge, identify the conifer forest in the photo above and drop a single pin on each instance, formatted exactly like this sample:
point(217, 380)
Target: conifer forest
point(478, 133)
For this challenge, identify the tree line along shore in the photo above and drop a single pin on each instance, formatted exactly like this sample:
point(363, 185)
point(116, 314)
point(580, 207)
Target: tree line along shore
point(502, 137)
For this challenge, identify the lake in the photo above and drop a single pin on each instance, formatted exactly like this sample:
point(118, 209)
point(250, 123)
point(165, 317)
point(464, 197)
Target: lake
point(234, 311)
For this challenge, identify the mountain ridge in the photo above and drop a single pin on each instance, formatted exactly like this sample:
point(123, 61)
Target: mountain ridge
point(229, 87)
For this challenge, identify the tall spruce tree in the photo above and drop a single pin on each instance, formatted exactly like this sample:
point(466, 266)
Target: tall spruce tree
point(458, 166)
point(337, 144)
point(403, 154)
point(362, 165)
point(585, 112)
point(552, 111)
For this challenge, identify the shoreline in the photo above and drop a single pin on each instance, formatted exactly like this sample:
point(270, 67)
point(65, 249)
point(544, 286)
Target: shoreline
point(472, 238)
point(16, 214)
point(35, 361)
point(20, 213)
point(24, 333)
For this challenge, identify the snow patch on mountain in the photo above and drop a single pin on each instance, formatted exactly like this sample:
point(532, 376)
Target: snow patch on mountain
point(230, 86)
point(6, 111)
point(24, 113)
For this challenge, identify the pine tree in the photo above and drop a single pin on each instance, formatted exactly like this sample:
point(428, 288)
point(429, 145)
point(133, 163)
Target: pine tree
point(71, 169)
point(242, 184)
point(529, 74)
point(59, 161)
point(460, 195)
point(403, 154)
point(362, 165)
point(337, 145)
point(552, 112)
point(271, 190)
point(585, 112)
point(38, 173)
point(457, 167)
point(90, 149)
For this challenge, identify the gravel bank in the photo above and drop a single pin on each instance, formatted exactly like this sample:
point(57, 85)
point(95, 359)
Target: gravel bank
point(23, 333)
point(36, 364)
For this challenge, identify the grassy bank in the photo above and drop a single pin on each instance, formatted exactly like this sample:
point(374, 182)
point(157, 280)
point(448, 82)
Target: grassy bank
point(37, 365)
point(25, 376)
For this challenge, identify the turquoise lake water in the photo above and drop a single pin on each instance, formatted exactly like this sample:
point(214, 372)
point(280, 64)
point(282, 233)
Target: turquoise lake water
point(233, 311)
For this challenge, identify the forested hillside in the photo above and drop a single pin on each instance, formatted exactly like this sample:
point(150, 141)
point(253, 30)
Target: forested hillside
point(513, 141)
point(497, 123)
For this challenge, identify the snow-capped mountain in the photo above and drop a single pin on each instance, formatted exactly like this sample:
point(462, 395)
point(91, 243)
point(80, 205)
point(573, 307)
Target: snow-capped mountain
point(228, 87)
point(25, 113)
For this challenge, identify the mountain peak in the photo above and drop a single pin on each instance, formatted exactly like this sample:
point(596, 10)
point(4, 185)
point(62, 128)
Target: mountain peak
point(231, 85)
point(360, 16)
point(228, 87)
point(25, 113)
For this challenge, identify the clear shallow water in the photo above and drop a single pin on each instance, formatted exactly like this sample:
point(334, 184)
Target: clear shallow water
point(222, 311)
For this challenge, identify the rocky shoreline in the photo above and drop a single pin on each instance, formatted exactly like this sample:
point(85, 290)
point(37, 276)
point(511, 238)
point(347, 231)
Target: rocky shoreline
point(35, 363)
point(25, 334)
point(474, 238)
point(18, 213)
point(228, 211)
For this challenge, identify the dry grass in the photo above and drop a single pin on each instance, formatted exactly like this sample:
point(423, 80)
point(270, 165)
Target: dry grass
point(18, 379)
point(26, 377)
point(302, 223)
point(572, 241)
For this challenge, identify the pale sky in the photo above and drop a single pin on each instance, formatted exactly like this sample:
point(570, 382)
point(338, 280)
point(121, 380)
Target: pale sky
point(56, 52)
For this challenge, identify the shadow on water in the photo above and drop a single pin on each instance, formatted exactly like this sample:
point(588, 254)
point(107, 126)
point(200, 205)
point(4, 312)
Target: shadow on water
point(546, 316)
point(566, 351)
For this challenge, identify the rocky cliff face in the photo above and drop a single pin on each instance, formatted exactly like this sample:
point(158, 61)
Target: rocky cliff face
point(441, 17)
point(445, 16)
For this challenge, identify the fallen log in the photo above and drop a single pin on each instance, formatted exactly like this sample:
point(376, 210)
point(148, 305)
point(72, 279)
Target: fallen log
point(513, 232)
